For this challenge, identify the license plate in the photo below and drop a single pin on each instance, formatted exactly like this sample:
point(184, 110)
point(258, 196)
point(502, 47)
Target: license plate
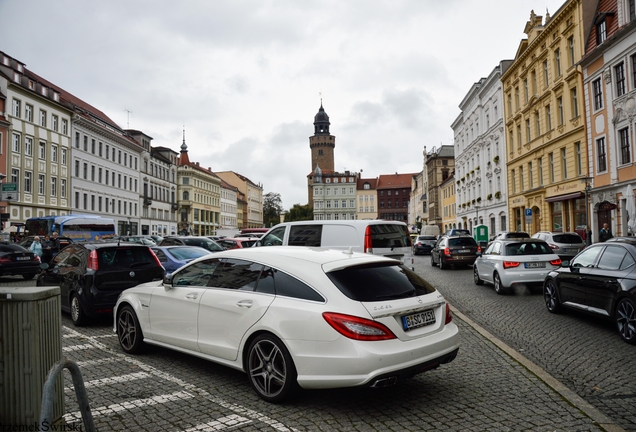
point(464, 251)
point(535, 265)
point(571, 250)
point(23, 258)
point(420, 319)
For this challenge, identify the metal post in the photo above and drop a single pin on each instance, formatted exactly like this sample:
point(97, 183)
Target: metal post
point(588, 226)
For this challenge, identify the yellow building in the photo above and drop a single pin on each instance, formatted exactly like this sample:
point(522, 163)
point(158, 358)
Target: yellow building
point(367, 198)
point(543, 117)
point(449, 205)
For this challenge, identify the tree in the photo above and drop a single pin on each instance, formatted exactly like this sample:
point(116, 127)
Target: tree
point(299, 213)
point(272, 208)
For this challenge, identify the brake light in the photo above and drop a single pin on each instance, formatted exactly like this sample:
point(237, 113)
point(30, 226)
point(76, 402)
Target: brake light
point(154, 255)
point(6, 260)
point(556, 262)
point(358, 328)
point(368, 240)
point(93, 261)
point(553, 246)
point(447, 251)
point(449, 315)
point(478, 248)
point(510, 264)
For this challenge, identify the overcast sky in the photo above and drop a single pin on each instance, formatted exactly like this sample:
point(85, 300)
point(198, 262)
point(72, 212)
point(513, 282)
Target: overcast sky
point(245, 77)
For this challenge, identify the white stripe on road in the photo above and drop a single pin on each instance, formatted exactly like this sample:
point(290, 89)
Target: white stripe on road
point(233, 420)
point(78, 347)
point(114, 380)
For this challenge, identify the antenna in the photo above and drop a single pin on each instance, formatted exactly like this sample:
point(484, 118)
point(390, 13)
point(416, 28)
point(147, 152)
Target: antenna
point(129, 112)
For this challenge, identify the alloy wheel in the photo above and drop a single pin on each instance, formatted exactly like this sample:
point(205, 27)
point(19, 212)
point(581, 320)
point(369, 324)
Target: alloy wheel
point(626, 320)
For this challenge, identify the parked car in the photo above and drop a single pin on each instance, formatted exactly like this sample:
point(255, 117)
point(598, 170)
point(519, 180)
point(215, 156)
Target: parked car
point(142, 240)
point(378, 237)
point(566, 245)
point(512, 262)
point(457, 231)
point(91, 275)
point(18, 260)
point(295, 316)
point(454, 250)
point(424, 244)
point(201, 241)
point(511, 234)
point(600, 280)
point(237, 243)
point(174, 257)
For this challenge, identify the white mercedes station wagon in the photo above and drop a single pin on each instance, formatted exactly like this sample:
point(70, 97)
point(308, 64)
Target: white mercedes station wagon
point(294, 317)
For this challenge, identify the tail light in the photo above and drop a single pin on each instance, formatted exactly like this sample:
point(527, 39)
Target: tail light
point(510, 264)
point(447, 251)
point(478, 248)
point(358, 328)
point(154, 255)
point(5, 260)
point(556, 262)
point(553, 246)
point(93, 261)
point(449, 315)
point(368, 240)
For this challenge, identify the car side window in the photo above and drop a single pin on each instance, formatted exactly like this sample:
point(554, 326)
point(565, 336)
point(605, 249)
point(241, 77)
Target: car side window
point(496, 250)
point(236, 274)
point(160, 254)
point(612, 258)
point(587, 258)
point(266, 281)
point(274, 238)
point(628, 261)
point(305, 235)
point(288, 286)
point(199, 274)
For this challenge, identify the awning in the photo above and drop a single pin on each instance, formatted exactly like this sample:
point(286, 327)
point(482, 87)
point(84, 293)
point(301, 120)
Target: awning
point(565, 197)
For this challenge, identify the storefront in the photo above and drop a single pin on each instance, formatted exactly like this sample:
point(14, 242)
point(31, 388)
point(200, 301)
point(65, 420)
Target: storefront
point(567, 207)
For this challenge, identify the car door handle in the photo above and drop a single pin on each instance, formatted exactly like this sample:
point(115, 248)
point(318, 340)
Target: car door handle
point(192, 296)
point(245, 303)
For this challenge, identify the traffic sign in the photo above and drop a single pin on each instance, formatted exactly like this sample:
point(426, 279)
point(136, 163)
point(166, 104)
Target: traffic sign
point(528, 215)
point(9, 192)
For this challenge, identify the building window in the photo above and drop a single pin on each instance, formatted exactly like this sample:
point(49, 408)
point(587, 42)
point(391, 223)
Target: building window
point(537, 120)
point(77, 140)
point(619, 71)
point(598, 94)
point(551, 167)
point(62, 188)
point(17, 108)
point(521, 179)
point(28, 176)
point(601, 32)
point(41, 179)
point(625, 147)
point(526, 90)
point(53, 186)
point(63, 153)
point(85, 143)
point(93, 146)
point(85, 172)
point(28, 146)
point(42, 150)
point(564, 163)
point(42, 118)
point(575, 103)
point(528, 136)
point(557, 62)
point(92, 172)
point(579, 159)
point(54, 153)
point(571, 50)
point(77, 200)
point(601, 155)
point(540, 171)
point(514, 182)
point(548, 117)
point(517, 104)
point(100, 149)
point(54, 120)
point(28, 113)
point(64, 126)
point(15, 143)
point(632, 10)
point(546, 69)
point(560, 110)
point(530, 175)
point(77, 168)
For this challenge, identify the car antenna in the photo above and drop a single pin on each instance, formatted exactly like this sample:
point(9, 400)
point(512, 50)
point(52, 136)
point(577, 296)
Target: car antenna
point(348, 251)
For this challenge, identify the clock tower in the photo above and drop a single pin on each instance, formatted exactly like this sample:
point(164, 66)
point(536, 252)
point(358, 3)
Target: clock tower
point(322, 143)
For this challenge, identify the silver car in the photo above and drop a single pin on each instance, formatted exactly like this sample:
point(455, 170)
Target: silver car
point(565, 244)
point(513, 262)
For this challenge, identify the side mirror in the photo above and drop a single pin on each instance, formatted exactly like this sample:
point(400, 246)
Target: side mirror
point(167, 281)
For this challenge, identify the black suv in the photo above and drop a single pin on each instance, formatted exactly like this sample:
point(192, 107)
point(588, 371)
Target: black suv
point(454, 250)
point(204, 242)
point(91, 275)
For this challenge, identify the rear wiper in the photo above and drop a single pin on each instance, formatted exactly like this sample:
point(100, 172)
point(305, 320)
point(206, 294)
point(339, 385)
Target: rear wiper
point(401, 295)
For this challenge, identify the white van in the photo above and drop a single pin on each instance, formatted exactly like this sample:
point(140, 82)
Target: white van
point(377, 237)
point(432, 230)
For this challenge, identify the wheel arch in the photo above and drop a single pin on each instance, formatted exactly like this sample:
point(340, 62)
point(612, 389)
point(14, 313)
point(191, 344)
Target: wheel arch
point(247, 342)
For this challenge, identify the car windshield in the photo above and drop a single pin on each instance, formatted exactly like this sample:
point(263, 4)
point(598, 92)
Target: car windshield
point(183, 253)
point(536, 248)
point(467, 241)
point(377, 282)
point(518, 235)
point(567, 238)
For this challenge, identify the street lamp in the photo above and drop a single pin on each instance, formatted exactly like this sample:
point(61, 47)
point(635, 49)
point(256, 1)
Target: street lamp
point(588, 228)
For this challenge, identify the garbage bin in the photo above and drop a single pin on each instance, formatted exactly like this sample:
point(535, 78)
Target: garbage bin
point(480, 234)
point(30, 343)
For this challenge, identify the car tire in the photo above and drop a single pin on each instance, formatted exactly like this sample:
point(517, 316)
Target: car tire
point(626, 320)
point(29, 276)
point(499, 289)
point(78, 316)
point(441, 264)
point(433, 264)
point(551, 297)
point(129, 333)
point(270, 369)
point(476, 277)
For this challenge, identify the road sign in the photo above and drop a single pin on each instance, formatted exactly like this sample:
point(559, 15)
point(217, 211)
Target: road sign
point(9, 192)
point(528, 215)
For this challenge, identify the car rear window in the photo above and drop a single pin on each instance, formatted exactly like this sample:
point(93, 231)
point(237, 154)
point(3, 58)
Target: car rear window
point(125, 258)
point(466, 241)
point(377, 282)
point(567, 238)
point(389, 235)
point(518, 235)
point(305, 235)
point(537, 248)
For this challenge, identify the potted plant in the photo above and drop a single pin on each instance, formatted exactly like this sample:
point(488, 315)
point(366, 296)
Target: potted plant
point(489, 197)
point(497, 194)
point(478, 199)
point(473, 201)
point(472, 172)
point(496, 159)
point(477, 168)
point(488, 164)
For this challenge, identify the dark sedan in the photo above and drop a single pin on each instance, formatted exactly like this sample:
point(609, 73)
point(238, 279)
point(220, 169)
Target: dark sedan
point(458, 250)
point(600, 280)
point(424, 244)
point(17, 260)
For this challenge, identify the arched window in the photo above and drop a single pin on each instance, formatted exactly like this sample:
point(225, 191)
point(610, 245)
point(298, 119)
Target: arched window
point(186, 196)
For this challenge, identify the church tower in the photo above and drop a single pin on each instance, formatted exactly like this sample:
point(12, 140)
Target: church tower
point(322, 143)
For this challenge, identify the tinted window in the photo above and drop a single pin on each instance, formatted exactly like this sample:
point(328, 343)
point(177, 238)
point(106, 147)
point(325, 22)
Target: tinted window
point(162, 256)
point(124, 258)
point(465, 241)
point(248, 243)
point(389, 235)
point(198, 274)
point(288, 286)
point(305, 235)
point(612, 258)
point(266, 282)
point(379, 282)
point(538, 248)
point(628, 261)
point(517, 235)
point(587, 258)
point(183, 253)
point(237, 274)
point(274, 238)
point(567, 238)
